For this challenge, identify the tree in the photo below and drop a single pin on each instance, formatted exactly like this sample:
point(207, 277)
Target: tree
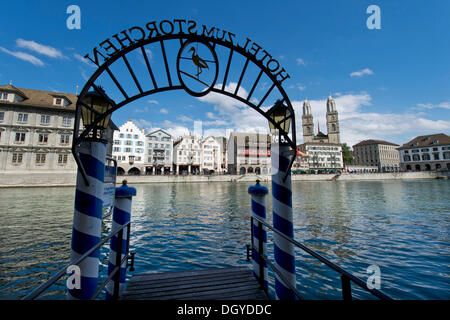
point(347, 154)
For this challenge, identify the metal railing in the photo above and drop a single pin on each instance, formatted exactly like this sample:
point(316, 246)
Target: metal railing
point(346, 277)
point(114, 274)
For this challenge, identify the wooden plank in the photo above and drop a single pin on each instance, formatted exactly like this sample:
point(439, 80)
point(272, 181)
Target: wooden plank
point(198, 282)
point(206, 294)
point(203, 278)
point(187, 286)
point(224, 283)
point(198, 290)
point(171, 274)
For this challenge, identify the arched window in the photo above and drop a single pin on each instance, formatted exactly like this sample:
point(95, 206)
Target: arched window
point(333, 127)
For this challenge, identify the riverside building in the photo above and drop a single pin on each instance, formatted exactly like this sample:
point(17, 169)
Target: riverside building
point(426, 153)
point(211, 156)
point(187, 155)
point(36, 130)
point(324, 150)
point(379, 153)
point(129, 149)
point(248, 153)
point(159, 153)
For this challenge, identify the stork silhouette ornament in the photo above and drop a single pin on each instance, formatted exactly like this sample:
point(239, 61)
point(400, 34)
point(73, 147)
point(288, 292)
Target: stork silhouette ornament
point(199, 62)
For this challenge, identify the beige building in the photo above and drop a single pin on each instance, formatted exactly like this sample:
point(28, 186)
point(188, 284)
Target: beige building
point(36, 130)
point(248, 153)
point(426, 153)
point(378, 153)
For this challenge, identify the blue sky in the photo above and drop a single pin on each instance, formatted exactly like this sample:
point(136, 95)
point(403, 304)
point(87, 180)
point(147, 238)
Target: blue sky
point(391, 84)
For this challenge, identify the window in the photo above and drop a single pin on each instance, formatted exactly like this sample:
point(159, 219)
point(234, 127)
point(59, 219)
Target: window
point(45, 119)
point(62, 158)
point(136, 136)
point(416, 157)
point(121, 135)
point(64, 139)
point(2, 116)
point(435, 141)
point(43, 138)
point(436, 156)
point(116, 149)
point(67, 121)
point(4, 96)
point(23, 117)
point(129, 136)
point(40, 158)
point(17, 157)
point(58, 101)
point(425, 156)
point(20, 137)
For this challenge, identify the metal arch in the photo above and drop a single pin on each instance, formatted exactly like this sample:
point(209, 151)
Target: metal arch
point(78, 138)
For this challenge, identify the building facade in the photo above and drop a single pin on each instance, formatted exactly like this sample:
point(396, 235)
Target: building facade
point(159, 152)
point(379, 153)
point(300, 164)
point(426, 153)
point(223, 145)
point(187, 155)
point(211, 156)
point(323, 157)
point(248, 153)
point(129, 149)
point(36, 129)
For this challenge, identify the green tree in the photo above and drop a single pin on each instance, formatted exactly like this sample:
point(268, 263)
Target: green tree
point(347, 154)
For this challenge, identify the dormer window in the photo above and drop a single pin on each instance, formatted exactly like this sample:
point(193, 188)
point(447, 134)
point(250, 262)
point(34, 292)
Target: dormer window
point(435, 141)
point(3, 96)
point(58, 101)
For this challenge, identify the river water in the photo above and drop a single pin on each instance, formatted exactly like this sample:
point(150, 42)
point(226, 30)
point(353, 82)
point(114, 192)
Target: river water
point(400, 226)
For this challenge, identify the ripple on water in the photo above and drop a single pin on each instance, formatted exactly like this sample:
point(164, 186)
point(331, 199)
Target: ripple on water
point(400, 226)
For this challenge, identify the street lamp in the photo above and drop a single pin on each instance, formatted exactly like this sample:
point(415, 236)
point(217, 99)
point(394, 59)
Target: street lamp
point(281, 115)
point(95, 105)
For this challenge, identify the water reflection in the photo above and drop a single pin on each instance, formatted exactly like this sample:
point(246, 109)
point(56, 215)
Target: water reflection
point(400, 226)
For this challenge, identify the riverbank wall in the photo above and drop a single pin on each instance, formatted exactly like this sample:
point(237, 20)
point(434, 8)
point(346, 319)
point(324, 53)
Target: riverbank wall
point(68, 179)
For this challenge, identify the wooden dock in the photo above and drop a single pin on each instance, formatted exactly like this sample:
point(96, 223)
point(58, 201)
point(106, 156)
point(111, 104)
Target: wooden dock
point(237, 283)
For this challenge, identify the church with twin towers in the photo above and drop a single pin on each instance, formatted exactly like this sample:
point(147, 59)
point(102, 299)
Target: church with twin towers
point(332, 136)
point(323, 151)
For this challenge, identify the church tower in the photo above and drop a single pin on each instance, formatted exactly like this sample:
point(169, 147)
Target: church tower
point(307, 122)
point(332, 121)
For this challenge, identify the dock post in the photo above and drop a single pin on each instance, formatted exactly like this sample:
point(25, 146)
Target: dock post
point(258, 194)
point(282, 219)
point(87, 219)
point(121, 216)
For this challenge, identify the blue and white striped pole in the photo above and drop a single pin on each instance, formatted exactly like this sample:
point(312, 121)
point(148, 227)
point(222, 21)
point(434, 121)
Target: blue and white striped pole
point(87, 219)
point(282, 220)
point(121, 216)
point(258, 194)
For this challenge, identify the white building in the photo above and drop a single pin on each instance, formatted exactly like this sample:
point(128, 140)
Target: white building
point(223, 144)
point(248, 153)
point(159, 152)
point(323, 157)
point(129, 149)
point(211, 156)
point(426, 153)
point(187, 155)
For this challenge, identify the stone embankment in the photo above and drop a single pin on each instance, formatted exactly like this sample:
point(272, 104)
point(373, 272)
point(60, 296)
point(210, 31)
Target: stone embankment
point(61, 179)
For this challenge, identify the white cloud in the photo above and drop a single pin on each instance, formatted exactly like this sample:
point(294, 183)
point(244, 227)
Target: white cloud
point(39, 48)
point(153, 101)
point(361, 73)
point(84, 60)
point(142, 110)
point(443, 105)
point(357, 123)
point(164, 111)
point(300, 62)
point(24, 56)
point(184, 119)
